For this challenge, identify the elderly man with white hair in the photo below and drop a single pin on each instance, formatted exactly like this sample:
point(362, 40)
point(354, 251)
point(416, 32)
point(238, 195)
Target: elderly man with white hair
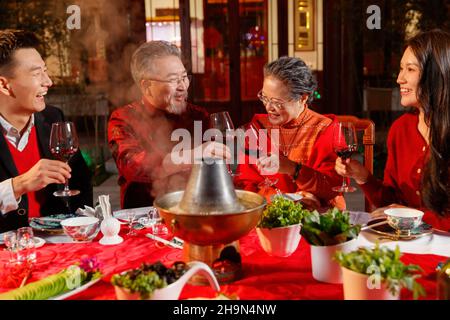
point(139, 133)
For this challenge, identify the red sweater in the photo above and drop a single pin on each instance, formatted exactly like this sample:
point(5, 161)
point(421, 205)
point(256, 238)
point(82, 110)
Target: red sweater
point(316, 154)
point(407, 157)
point(24, 161)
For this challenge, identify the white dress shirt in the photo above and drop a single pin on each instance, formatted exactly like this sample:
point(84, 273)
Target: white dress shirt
point(8, 201)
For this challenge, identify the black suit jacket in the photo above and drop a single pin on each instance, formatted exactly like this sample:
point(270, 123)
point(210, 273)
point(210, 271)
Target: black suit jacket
point(81, 176)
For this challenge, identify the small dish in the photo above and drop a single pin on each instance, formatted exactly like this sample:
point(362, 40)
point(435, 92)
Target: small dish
point(404, 219)
point(173, 290)
point(81, 229)
point(137, 212)
point(75, 291)
point(389, 232)
point(50, 224)
point(290, 196)
point(38, 242)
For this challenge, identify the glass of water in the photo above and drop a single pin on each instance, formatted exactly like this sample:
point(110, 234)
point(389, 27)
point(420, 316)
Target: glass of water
point(10, 240)
point(131, 219)
point(25, 240)
point(158, 227)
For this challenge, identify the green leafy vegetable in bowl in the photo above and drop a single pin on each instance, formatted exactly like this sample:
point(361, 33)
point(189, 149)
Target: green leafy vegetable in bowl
point(330, 228)
point(387, 263)
point(281, 213)
point(149, 277)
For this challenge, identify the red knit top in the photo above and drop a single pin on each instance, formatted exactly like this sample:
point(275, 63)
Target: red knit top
point(24, 161)
point(407, 156)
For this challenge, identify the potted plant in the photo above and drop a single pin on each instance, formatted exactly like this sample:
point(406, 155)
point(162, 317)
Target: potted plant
point(279, 227)
point(157, 282)
point(377, 274)
point(328, 233)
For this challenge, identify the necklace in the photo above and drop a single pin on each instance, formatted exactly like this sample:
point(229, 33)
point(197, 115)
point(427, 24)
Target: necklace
point(286, 148)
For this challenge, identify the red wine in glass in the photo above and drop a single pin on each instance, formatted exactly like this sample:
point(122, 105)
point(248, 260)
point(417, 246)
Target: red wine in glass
point(63, 145)
point(344, 144)
point(63, 154)
point(250, 140)
point(345, 153)
point(256, 144)
point(222, 122)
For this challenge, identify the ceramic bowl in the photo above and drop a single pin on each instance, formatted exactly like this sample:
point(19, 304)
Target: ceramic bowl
point(404, 219)
point(81, 229)
point(173, 290)
point(324, 267)
point(358, 286)
point(279, 242)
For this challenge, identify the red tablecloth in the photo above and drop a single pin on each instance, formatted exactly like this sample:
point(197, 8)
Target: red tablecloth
point(264, 277)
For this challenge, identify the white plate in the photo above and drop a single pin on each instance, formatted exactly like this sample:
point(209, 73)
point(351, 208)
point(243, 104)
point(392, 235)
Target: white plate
point(138, 213)
point(293, 196)
point(290, 196)
point(75, 291)
point(38, 242)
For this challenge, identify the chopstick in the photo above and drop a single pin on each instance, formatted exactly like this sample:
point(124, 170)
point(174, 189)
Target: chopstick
point(369, 226)
point(26, 278)
point(170, 244)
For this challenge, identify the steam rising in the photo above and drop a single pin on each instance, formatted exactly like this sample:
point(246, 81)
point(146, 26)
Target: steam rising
point(106, 35)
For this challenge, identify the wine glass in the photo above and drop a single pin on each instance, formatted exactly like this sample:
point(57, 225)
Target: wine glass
point(25, 239)
point(131, 218)
point(344, 144)
point(222, 122)
point(153, 220)
point(63, 145)
point(255, 144)
point(158, 227)
point(10, 240)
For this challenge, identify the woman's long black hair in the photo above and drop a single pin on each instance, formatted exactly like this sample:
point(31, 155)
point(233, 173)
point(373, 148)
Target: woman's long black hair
point(432, 50)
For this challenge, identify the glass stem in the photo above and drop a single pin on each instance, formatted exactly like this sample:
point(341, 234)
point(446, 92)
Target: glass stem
point(66, 185)
point(344, 183)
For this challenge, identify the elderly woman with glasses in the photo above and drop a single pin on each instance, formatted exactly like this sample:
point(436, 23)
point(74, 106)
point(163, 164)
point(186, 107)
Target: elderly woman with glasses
point(301, 159)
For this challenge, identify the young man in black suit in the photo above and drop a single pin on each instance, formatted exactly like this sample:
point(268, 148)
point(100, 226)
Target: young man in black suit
point(28, 174)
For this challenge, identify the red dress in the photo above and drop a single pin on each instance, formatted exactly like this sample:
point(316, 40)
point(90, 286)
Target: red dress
point(139, 137)
point(407, 157)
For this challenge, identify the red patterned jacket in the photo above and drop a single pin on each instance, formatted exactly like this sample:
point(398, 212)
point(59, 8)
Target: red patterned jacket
point(139, 137)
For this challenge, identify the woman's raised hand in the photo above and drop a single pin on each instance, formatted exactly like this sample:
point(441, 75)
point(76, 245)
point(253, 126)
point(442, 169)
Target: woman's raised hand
point(352, 169)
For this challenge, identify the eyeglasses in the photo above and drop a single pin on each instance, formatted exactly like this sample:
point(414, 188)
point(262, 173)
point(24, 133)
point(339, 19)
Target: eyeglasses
point(276, 103)
point(186, 79)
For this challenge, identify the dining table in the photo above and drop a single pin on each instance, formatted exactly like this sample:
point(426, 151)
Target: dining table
point(263, 277)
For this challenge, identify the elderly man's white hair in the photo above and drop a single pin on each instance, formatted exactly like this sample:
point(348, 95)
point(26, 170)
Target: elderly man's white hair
point(143, 58)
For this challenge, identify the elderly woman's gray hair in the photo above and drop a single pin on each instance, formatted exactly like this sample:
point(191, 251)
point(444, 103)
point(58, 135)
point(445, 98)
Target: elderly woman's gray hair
point(295, 74)
point(144, 57)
